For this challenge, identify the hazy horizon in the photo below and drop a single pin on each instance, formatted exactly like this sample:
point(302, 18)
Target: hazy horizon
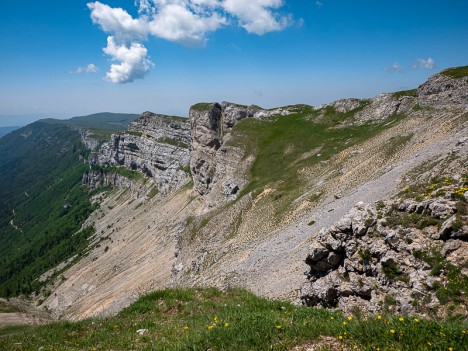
point(67, 59)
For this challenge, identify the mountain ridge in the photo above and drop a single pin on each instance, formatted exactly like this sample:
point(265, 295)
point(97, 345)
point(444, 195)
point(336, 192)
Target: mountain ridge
point(250, 191)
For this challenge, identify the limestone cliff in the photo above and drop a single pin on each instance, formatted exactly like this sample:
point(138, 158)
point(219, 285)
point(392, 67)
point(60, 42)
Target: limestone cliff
point(220, 169)
point(155, 145)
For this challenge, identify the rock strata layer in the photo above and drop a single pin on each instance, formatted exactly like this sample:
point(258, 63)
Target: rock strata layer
point(155, 145)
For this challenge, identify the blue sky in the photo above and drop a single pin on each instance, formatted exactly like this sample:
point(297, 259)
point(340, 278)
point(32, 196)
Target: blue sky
point(264, 52)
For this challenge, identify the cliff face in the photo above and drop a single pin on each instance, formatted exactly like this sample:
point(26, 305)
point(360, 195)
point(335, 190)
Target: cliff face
point(155, 145)
point(219, 168)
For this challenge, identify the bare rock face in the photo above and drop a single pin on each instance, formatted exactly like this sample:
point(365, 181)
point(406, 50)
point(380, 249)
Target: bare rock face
point(205, 120)
point(386, 255)
point(441, 90)
point(217, 168)
point(155, 145)
point(346, 105)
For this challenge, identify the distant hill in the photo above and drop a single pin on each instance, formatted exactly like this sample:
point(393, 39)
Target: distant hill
point(104, 120)
point(5, 130)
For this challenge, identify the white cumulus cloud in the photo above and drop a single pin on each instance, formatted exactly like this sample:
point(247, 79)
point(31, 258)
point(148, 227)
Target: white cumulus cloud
point(428, 63)
point(257, 16)
point(131, 61)
point(90, 68)
point(118, 22)
point(183, 21)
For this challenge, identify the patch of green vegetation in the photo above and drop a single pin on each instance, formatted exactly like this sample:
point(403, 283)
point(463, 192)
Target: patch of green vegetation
point(208, 319)
point(14, 329)
point(455, 288)
point(458, 72)
point(169, 119)
point(365, 254)
point(402, 93)
point(283, 147)
point(101, 135)
point(187, 169)
point(42, 203)
point(123, 171)
point(392, 272)
point(202, 106)
point(311, 223)
point(134, 133)
point(331, 115)
point(8, 307)
point(396, 143)
point(153, 192)
point(421, 190)
point(396, 218)
point(166, 140)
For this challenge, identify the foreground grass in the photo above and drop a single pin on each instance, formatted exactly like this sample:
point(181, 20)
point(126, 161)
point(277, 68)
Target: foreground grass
point(202, 319)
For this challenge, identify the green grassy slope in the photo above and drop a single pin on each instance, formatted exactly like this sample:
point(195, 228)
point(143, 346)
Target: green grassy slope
point(42, 203)
point(289, 140)
point(208, 319)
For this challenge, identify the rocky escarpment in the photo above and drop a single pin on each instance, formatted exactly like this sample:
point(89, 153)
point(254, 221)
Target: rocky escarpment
point(407, 254)
point(155, 145)
point(447, 88)
point(218, 169)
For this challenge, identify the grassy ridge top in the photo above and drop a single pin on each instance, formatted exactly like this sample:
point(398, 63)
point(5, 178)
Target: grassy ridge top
point(457, 72)
point(208, 319)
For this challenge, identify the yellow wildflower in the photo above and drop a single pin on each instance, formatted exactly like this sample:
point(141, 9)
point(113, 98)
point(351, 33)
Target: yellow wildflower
point(450, 348)
point(340, 337)
point(379, 317)
point(186, 328)
point(392, 331)
point(350, 318)
point(226, 324)
point(401, 319)
point(344, 323)
point(416, 320)
point(210, 327)
point(429, 343)
point(332, 318)
point(279, 327)
point(355, 347)
point(216, 319)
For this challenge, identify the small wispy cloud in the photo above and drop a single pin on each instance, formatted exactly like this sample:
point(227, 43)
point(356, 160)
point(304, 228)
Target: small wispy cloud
point(394, 68)
point(428, 63)
point(91, 68)
point(319, 4)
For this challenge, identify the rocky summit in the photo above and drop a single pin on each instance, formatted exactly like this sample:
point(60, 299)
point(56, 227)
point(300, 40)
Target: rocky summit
point(367, 197)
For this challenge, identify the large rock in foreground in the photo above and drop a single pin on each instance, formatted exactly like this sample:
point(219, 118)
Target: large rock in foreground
point(402, 255)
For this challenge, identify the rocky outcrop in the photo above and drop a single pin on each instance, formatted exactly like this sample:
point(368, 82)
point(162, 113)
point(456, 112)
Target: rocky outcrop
point(206, 127)
point(442, 89)
point(219, 169)
point(155, 145)
point(95, 179)
point(390, 254)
